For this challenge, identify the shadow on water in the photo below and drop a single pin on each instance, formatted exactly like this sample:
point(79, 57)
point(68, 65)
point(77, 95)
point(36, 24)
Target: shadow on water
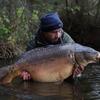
point(87, 88)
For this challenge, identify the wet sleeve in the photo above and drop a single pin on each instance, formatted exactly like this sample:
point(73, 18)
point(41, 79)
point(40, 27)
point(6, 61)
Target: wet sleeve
point(67, 38)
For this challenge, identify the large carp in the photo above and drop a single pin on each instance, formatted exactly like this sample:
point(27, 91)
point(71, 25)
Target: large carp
point(50, 64)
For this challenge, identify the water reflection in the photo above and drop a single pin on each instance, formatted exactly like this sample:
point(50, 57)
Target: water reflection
point(91, 82)
point(64, 91)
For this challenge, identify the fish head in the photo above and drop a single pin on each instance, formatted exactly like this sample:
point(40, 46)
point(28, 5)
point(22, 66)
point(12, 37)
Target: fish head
point(85, 55)
point(91, 55)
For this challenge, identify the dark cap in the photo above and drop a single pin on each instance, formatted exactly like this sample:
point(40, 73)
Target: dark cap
point(49, 22)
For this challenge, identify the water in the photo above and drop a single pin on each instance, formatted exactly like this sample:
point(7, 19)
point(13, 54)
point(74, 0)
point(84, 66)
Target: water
point(91, 83)
point(86, 88)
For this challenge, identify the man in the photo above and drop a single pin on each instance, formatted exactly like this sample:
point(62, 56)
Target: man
point(50, 33)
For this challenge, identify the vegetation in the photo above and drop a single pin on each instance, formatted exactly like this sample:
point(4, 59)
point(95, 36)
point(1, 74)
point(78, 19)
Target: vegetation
point(19, 19)
point(85, 14)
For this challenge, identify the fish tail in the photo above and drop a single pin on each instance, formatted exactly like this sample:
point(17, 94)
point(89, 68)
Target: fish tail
point(7, 74)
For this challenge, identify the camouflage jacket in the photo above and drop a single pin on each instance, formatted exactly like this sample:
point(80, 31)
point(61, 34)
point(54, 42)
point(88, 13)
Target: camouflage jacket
point(38, 41)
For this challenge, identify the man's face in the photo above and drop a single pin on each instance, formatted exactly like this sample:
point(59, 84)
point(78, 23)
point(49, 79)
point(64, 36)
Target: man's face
point(53, 36)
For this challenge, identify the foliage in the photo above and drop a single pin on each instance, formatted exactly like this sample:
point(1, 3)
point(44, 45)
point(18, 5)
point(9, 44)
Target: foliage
point(80, 16)
point(20, 19)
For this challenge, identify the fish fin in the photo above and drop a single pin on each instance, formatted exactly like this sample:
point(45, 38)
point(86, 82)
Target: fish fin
point(7, 74)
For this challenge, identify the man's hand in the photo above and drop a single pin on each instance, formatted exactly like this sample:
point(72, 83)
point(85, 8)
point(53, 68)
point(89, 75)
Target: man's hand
point(77, 71)
point(25, 75)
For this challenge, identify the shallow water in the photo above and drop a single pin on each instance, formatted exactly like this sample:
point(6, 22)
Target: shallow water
point(85, 88)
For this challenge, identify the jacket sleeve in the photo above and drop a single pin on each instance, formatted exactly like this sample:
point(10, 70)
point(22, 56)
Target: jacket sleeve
point(31, 45)
point(67, 38)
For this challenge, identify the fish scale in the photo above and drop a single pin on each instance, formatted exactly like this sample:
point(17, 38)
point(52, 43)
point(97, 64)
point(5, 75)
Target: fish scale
point(50, 64)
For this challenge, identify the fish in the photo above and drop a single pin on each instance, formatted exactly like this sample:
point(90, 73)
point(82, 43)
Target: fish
point(50, 64)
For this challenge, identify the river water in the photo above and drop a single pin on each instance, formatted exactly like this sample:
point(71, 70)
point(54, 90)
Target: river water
point(85, 88)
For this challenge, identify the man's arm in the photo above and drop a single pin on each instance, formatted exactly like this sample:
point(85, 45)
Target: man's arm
point(31, 45)
point(67, 38)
